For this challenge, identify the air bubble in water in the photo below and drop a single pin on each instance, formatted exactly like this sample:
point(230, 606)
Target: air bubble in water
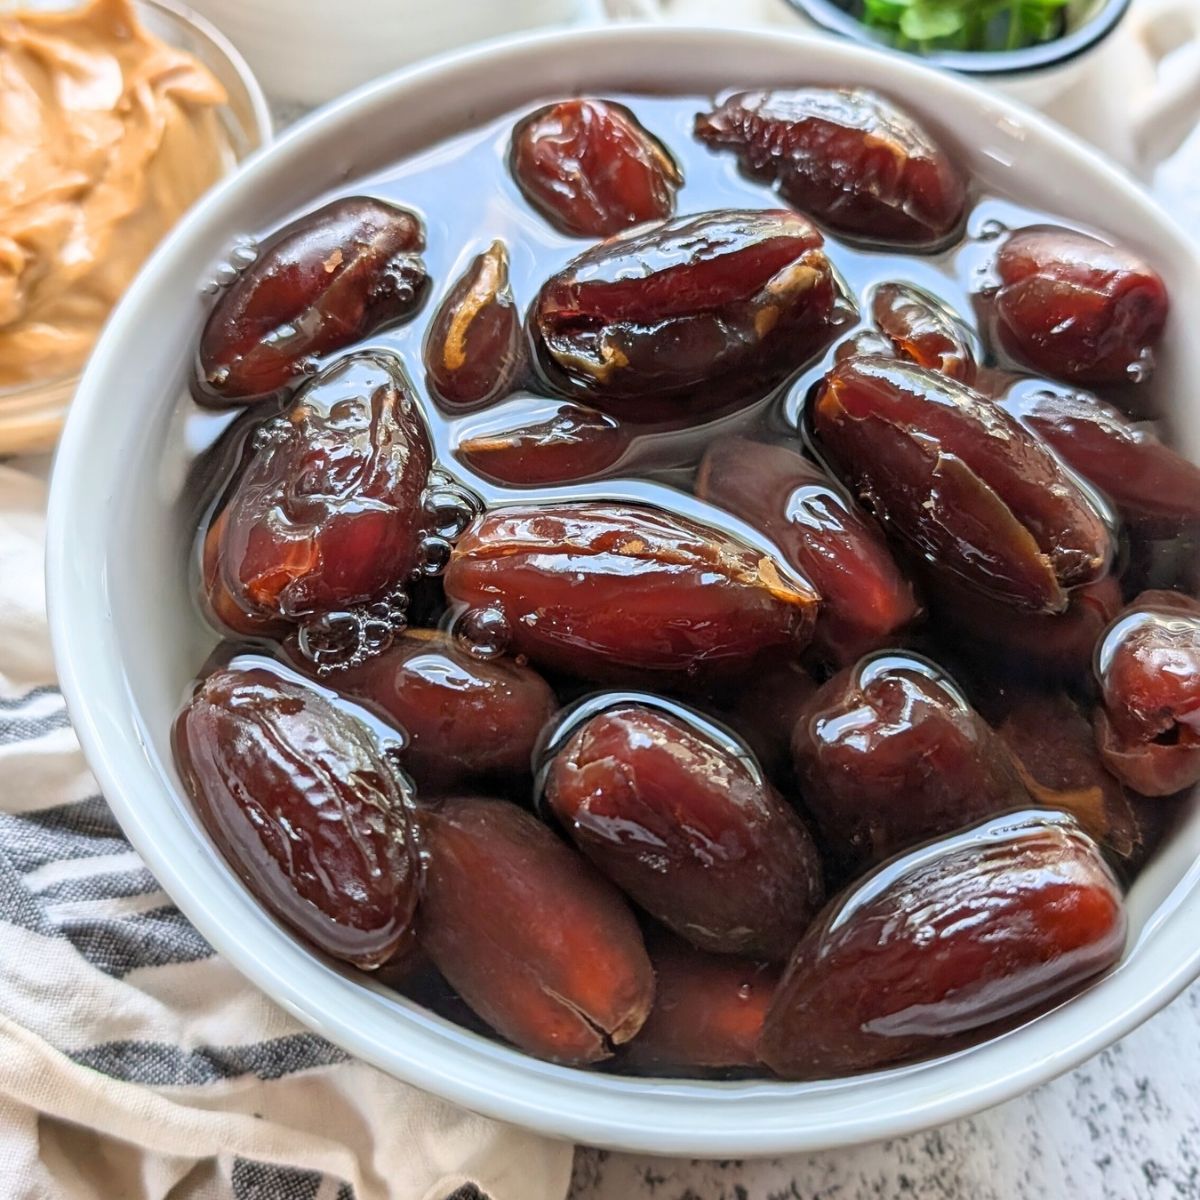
point(332, 642)
point(483, 632)
point(433, 554)
point(1142, 368)
point(244, 253)
point(225, 274)
point(990, 230)
point(450, 510)
point(210, 287)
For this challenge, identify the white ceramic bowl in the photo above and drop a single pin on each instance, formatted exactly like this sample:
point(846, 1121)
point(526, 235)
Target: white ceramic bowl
point(127, 643)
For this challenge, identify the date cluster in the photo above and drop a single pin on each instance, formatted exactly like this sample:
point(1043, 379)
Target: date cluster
point(745, 784)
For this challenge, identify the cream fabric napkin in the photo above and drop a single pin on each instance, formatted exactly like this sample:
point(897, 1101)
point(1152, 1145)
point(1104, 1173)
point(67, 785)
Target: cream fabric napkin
point(135, 1064)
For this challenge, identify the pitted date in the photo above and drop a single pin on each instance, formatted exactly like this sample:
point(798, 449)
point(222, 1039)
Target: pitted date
point(473, 351)
point(534, 442)
point(865, 598)
point(1055, 754)
point(906, 964)
point(847, 157)
point(608, 591)
point(591, 169)
point(1150, 483)
point(321, 283)
point(691, 312)
point(464, 717)
point(540, 946)
point(1148, 667)
point(689, 829)
point(300, 801)
point(1077, 308)
point(889, 752)
point(924, 331)
point(963, 483)
point(708, 1012)
point(325, 512)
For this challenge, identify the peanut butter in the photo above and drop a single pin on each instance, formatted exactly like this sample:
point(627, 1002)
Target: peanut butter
point(107, 134)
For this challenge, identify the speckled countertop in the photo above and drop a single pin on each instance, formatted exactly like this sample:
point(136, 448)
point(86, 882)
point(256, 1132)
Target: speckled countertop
point(1124, 1126)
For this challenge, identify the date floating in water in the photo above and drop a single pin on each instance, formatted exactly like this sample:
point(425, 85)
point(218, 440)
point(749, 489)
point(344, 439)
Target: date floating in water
point(540, 946)
point(473, 350)
point(904, 964)
point(328, 279)
point(609, 591)
point(591, 169)
point(847, 157)
point(889, 752)
point(1077, 308)
point(865, 598)
point(299, 799)
point(962, 482)
point(924, 331)
point(1148, 667)
point(325, 513)
point(689, 828)
point(704, 310)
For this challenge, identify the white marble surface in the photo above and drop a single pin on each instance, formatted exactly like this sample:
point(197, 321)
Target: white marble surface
point(1125, 1126)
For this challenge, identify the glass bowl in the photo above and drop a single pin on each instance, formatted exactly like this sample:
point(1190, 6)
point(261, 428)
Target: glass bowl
point(32, 415)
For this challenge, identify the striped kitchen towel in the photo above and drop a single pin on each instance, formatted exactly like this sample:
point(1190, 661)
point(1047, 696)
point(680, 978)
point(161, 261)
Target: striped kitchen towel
point(135, 1064)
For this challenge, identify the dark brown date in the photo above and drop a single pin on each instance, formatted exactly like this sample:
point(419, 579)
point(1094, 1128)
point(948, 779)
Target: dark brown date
point(889, 752)
point(591, 169)
point(1150, 483)
point(964, 484)
point(764, 709)
point(321, 283)
point(1148, 667)
point(540, 946)
point(924, 331)
point(1055, 754)
point(865, 598)
point(700, 310)
point(607, 590)
point(298, 798)
point(708, 1012)
point(473, 347)
point(1077, 308)
point(1053, 646)
point(326, 511)
point(847, 157)
point(529, 443)
point(937, 949)
point(687, 827)
point(465, 718)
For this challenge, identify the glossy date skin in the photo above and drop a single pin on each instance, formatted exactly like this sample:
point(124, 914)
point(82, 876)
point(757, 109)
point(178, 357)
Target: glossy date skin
point(1148, 668)
point(473, 350)
point(464, 717)
point(845, 156)
point(537, 943)
point(301, 803)
point(889, 752)
point(607, 591)
point(530, 443)
point(1077, 308)
point(701, 310)
point(922, 330)
point(961, 482)
point(938, 948)
point(1055, 754)
point(688, 827)
point(708, 1012)
point(591, 169)
point(325, 512)
point(865, 598)
point(1151, 484)
point(328, 279)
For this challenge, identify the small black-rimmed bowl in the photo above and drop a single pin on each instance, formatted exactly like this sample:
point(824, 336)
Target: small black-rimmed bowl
point(1034, 74)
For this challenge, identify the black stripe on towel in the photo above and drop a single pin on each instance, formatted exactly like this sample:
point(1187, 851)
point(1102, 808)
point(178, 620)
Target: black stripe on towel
point(118, 945)
point(262, 1181)
point(160, 1064)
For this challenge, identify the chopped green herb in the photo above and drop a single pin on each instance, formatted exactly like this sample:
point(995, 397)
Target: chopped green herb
point(928, 25)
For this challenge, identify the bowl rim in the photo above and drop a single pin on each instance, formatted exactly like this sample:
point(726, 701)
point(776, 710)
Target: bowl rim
point(987, 64)
point(647, 1116)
